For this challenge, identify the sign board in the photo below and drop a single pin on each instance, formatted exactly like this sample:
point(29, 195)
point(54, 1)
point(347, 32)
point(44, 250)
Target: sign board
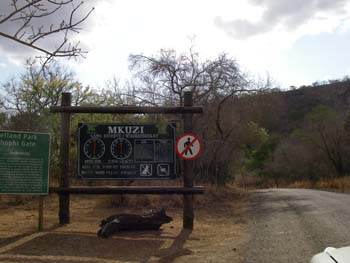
point(189, 146)
point(24, 162)
point(126, 151)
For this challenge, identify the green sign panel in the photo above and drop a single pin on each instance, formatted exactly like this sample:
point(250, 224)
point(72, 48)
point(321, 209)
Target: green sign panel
point(126, 151)
point(24, 162)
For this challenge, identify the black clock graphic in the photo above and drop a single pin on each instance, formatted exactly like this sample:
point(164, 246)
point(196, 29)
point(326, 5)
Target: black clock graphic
point(121, 148)
point(94, 148)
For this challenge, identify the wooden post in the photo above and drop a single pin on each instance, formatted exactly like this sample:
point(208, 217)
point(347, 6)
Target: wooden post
point(41, 213)
point(64, 160)
point(188, 215)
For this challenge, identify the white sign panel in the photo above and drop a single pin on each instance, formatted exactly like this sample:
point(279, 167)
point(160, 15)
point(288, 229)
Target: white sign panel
point(188, 146)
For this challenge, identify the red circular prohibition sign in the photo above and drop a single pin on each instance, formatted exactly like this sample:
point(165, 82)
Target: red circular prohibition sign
point(181, 153)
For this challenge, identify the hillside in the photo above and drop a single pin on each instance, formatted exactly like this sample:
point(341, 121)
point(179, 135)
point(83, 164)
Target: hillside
point(283, 111)
point(300, 101)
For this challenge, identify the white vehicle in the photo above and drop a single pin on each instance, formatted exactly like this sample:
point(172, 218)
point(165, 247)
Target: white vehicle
point(333, 255)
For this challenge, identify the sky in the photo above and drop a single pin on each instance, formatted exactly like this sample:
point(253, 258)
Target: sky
point(296, 42)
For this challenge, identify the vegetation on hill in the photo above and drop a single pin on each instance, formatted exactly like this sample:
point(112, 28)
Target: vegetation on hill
point(254, 133)
point(309, 134)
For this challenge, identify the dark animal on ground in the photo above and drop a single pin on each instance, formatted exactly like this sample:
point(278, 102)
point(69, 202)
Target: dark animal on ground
point(129, 222)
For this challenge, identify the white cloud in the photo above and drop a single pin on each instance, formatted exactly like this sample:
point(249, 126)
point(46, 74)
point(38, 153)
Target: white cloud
point(286, 14)
point(119, 28)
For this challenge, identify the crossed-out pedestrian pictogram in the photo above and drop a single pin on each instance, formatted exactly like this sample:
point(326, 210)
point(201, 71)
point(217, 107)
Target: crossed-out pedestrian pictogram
point(189, 146)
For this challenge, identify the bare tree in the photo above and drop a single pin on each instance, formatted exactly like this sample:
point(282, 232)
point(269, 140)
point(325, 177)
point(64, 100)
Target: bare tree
point(33, 23)
point(168, 73)
point(163, 78)
point(225, 82)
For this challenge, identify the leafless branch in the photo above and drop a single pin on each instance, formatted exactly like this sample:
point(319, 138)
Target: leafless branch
point(26, 23)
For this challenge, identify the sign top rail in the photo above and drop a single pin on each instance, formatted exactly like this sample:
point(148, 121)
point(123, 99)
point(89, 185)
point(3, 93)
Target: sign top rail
point(126, 109)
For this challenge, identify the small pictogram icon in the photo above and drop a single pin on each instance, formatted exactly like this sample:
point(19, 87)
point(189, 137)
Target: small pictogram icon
point(163, 169)
point(146, 169)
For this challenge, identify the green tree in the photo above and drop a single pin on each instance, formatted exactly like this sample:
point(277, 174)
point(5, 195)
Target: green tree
point(26, 101)
point(28, 98)
point(259, 149)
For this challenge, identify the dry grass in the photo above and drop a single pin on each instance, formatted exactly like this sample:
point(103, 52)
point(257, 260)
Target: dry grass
point(248, 181)
point(13, 200)
point(218, 236)
point(341, 184)
point(213, 196)
point(300, 184)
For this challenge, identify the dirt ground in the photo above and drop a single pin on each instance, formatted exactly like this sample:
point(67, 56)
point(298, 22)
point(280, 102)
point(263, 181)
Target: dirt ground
point(218, 236)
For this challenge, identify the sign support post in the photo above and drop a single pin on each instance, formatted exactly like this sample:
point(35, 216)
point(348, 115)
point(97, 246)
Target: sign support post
point(64, 160)
point(188, 215)
point(41, 213)
point(188, 190)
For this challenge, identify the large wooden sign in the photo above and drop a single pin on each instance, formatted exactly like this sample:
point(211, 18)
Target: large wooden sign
point(126, 151)
point(24, 162)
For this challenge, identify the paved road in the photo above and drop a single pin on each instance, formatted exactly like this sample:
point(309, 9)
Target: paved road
point(291, 225)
